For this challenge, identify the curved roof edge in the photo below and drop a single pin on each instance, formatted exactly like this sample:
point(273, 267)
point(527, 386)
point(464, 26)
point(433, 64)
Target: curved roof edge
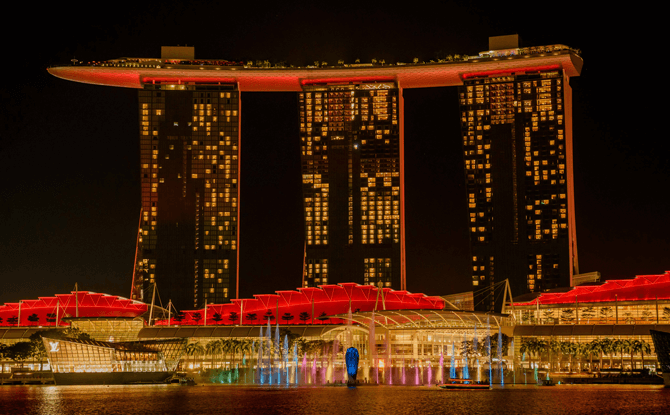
point(307, 305)
point(292, 79)
point(640, 288)
point(50, 311)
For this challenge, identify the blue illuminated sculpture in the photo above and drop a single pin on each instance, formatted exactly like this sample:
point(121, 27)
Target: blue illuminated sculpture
point(351, 357)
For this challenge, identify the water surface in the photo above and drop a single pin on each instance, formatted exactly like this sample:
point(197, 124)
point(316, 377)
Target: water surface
point(174, 399)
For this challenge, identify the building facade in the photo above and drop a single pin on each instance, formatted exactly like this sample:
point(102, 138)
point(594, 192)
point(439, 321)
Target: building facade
point(517, 145)
point(188, 234)
point(351, 154)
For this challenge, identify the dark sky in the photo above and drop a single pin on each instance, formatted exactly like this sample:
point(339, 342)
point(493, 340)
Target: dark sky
point(69, 154)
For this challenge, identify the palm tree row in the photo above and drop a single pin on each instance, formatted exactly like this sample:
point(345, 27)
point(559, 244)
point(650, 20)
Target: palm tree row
point(217, 350)
point(556, 351)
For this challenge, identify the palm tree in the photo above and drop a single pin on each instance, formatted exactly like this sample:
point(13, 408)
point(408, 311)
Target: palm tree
point(596, 346)
point(193, 349)
point(212, 348)
point(621, 345)
point(533, 347)
point(225, 349)
point(574, 350)
point(235, 346)
point(553, 347)
point(607, 345)
point(565, 348)
point(644, 348)
point(635, 346)
point(245, 347)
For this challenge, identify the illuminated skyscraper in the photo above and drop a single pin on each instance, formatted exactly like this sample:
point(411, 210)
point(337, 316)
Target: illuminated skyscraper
point(517, 142)
point(189, 150)
point(351, 153)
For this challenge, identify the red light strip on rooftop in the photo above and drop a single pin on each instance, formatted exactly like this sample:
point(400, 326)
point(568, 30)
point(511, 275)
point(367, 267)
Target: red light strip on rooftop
point(355, 79)
point(511, 71)
point(186, 80)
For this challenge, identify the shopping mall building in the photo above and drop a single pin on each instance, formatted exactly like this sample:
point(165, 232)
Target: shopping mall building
point(413, 334)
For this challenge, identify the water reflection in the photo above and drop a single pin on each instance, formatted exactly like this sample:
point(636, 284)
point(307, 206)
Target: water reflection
point(173, 399)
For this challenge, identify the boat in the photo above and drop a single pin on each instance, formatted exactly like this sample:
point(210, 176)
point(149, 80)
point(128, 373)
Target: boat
point(465, 384)
point(187, 382)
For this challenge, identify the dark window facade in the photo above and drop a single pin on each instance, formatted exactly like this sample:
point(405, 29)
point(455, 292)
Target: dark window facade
point(189, 149)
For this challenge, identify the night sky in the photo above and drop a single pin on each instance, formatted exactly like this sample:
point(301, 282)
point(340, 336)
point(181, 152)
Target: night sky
point(69, 153)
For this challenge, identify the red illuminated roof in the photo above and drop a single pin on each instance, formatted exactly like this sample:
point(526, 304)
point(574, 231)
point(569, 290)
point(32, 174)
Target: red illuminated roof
point(45, 310)
point(641, 288)
point(292, 79)
point(308, 305)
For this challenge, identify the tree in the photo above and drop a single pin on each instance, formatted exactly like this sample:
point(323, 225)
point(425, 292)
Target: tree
point(51, 317)
point(33, 318)
point(4, 353)
point(607, 346)
point(20, 352)
point(596, 347)
point(588, 313)
point(252, 317)
point(13, 320)
point(212, 348)
point(635, 346)
point(235, 346)
point(572, 350)
point(666, 313)
point(287, 317)
point(217, 318)
point(622, 345)
point(226, 347)
point(568, 314)
point(549, 316)
point(643, 347)
point(179, 317)
point(304, 316)
point(323, 316)
point(269, 316)
point(606, 313)
point(196, 317)
point(233, 317)
point(292, 337)
point(194, 349)
point(245, 347)
point(533, 347)
point(553, 347)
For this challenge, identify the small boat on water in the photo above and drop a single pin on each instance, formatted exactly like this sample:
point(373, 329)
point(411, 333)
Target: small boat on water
point(464, 384)
point(187, 382)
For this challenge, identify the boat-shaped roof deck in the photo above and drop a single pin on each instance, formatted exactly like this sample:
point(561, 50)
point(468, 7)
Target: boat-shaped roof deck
point(135, 73)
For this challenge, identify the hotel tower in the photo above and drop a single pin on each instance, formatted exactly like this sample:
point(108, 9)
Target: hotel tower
point(516, 131)
point(351, 153)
